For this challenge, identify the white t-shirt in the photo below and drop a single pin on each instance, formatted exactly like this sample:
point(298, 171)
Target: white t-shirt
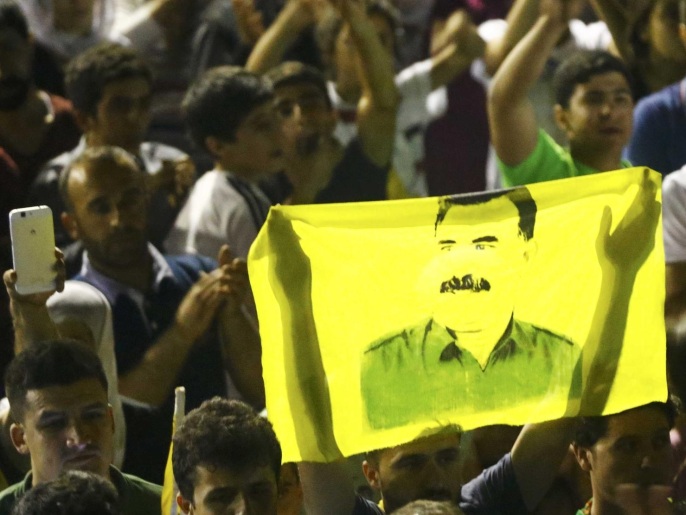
point(674, 216)
point(418, 107)
point(220, 209)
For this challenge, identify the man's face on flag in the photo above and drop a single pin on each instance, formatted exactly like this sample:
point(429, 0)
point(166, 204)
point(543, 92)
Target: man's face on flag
point(474, 277)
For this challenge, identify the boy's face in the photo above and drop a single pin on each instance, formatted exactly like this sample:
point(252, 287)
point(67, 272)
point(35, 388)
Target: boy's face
point(122, 114)
point(219, 490)
point(67, 427)
point(307, 116)
point(600, 114)
point(257, 148)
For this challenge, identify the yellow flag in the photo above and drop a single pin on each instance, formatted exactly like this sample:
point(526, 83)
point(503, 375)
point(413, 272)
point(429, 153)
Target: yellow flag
point(169, 488)
point(381, 321)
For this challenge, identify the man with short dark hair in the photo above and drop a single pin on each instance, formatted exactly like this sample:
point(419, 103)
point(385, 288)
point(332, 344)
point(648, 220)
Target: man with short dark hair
point(58, 399)
point(226, 459)
point(626, 453)
point(111, 89)
point(176, 319)
point(73, 493)
point(594, 105)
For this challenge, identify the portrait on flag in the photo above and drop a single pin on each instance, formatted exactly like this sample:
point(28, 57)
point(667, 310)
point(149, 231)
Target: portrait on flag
point(473, 345)
point(382, 320)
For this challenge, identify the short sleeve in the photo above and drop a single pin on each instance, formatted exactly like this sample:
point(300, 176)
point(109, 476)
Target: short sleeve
point(547, 162)
point(495, 490)
point(674, 216)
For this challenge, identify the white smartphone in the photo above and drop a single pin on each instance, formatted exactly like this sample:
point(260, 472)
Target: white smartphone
point(33, 249)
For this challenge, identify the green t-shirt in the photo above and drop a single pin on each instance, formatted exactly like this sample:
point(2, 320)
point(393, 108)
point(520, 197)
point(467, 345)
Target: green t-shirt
point(548, 161)
point(136, 496)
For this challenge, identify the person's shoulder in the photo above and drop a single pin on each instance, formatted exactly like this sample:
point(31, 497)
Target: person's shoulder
point(11, 494)
point(365, 507)
point(137, 495)
point(666, 100)
point(161, 151)
point(543, 335)
point(190, 264)
point(401, 339)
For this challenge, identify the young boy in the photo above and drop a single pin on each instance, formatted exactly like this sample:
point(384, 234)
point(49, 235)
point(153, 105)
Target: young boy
point(230, 113)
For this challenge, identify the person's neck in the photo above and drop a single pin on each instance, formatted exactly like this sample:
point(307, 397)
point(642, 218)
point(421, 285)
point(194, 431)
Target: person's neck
point(311, 173)
point(602, 507)
point(137, 275)
point(601, 160)
point(246, 175)
point(94, 140)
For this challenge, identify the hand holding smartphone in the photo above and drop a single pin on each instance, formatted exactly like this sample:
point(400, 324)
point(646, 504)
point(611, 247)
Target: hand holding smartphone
point(33, 249)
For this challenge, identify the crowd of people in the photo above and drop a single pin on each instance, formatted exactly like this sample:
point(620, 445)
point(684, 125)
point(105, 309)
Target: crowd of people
point(160, 133)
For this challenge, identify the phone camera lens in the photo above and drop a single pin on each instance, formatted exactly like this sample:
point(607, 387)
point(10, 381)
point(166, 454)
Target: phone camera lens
point(23, 215)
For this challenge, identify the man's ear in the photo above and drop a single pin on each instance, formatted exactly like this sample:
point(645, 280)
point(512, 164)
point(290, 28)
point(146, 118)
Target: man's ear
point(18, 437)
point(583, 457)
point(183, 504)
point(84, 121)
point(214, 145)
point(561, 119)
point(70, 225)
point(371, 473)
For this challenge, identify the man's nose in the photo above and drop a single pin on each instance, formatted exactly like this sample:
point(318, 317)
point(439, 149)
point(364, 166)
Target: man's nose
point(433, 476)
point(77, 434)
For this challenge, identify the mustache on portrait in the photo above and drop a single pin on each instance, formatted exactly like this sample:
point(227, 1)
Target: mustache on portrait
point(467, 282)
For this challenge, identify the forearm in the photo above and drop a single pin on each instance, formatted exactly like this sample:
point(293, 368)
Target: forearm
point(327, 488)
point(275, 42)
point(376, 71)
point(448, 64)
point(616, 16)
point(32, 323)
point(151, 381)
point(524, 65)
point(242, 353)
point(520, 19)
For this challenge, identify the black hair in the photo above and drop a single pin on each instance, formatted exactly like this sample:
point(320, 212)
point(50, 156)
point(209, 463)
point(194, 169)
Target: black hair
point(12, 17)
point(73, 493)
point(580, 67)
point(520, 197)
point(217, 103)
point(46, 364)
point(226, 434)
point(89, 72)
point(90, 156)
point(294, 72)
point(592, 429)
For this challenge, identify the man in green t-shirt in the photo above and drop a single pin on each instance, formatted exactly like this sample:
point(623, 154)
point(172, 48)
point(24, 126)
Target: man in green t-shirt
point(594, 107)
point(58, 400)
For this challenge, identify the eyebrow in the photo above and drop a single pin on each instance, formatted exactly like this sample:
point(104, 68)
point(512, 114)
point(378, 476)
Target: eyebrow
point(485, 239)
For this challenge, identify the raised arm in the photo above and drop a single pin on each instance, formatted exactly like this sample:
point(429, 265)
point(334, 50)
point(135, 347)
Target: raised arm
point(269, 50)
point(378, 105)
point(540, 448)
point(514, 129)
point(620, 16)
point(30, 316)
point(241, 344)
point(462, 45)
